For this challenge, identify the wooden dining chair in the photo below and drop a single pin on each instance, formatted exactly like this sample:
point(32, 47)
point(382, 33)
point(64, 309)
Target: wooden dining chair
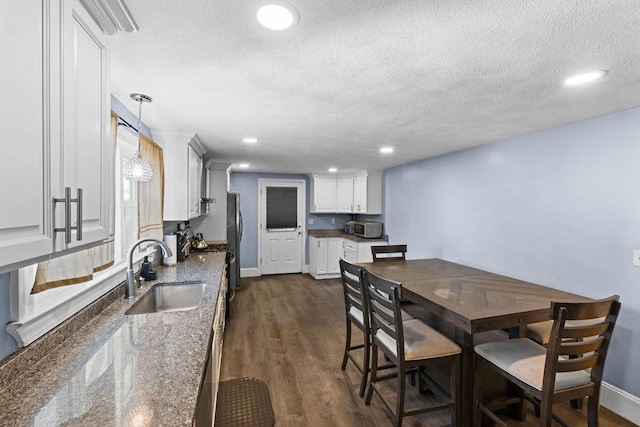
point(540, 332)
point(388, 252)
point(408, 344)
point(555, 373)
point(357, 314)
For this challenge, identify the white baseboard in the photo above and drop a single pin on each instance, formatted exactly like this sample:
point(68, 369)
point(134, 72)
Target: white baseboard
point(255, 272)
point(622, 403)
point(249, 272)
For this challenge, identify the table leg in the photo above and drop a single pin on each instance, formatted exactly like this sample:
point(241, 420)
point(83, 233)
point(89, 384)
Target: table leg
point(465, 341)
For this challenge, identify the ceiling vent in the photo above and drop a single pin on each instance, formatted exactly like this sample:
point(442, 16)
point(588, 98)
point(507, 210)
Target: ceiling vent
point(111, 15)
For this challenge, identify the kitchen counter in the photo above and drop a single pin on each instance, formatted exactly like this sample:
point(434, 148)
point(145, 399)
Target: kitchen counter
point(119, 370)
point(340, 233)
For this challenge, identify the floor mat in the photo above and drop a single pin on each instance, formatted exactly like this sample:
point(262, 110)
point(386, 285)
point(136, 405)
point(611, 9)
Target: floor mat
point(244, 402)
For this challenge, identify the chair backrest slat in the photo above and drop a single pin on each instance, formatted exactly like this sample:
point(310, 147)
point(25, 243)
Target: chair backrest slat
point(575, 348)
point(388, 252)
point(581, 310)
point(579, 364)
point(585, 331)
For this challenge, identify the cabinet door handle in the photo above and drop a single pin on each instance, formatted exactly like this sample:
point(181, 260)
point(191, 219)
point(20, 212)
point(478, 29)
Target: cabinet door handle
point(67, 214)
point(78, 214)
point(67, 200)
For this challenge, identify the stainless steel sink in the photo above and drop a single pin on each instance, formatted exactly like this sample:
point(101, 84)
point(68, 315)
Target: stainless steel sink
point(175, 296)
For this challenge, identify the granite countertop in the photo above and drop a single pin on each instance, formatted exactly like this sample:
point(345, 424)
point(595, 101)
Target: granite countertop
point(340, 233)
point(119, 370)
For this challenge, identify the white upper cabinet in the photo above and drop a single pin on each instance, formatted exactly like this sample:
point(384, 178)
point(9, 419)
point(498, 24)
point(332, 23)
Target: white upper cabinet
point(55, 113)
point(182, 154)
point(195, 183)
point(367, 193)
point(360, 192)
point(344, 195)
point(85, 120)
point(323, 194)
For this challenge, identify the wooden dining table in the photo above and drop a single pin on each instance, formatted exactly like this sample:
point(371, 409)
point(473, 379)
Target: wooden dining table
point(472, 301)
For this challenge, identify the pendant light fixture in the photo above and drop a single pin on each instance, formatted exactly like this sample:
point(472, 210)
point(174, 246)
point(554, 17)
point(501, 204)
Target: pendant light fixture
point(137, 168)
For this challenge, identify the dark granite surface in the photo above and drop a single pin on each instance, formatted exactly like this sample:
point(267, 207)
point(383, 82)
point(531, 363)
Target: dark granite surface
point(340, 233)
point(119, 370)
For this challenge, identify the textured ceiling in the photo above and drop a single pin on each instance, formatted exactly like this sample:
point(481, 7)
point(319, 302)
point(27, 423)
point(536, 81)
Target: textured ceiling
point(426, 77)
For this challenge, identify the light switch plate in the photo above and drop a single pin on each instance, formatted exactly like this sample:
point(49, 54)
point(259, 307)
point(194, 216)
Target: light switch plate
point(310, 221)
point(636, 257)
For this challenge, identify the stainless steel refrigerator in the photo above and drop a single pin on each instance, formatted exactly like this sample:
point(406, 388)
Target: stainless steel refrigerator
point(234, 235)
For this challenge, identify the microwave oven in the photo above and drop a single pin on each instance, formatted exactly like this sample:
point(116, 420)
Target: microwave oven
point(367, 229)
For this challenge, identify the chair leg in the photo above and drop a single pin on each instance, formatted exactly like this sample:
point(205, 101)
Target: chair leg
point(546, 408)
point(374, 373)
point(347, 345)
point(365, 365)
point(400, 402)
point(593, 408)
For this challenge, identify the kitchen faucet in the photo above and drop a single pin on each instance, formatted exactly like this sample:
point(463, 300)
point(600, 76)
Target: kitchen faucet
point(130, 289)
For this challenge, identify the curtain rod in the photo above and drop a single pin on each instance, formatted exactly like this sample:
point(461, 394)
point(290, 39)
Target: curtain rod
point(126, 123)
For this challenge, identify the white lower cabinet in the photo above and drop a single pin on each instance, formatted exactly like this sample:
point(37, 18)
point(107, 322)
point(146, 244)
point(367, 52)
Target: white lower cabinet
point(324, 257)
point(356, 252)
point(216, 345)
point(325, 254)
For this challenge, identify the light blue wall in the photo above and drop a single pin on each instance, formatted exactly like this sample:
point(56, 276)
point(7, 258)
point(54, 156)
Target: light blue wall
point(246, 184)
point(7, 344)
point(559, 208)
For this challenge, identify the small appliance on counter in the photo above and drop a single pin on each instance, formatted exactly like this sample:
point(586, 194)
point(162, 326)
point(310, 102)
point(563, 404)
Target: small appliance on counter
point(367, 229)
point(171, 240)
point(348, 226)
point(184, 243)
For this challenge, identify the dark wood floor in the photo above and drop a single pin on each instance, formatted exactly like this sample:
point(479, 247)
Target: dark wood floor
point(288, 331)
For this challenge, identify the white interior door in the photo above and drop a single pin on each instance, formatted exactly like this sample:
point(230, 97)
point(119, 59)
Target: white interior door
point(281, 226)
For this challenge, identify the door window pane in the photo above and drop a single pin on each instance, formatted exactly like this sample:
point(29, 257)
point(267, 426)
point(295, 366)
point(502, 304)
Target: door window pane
point(282, 204)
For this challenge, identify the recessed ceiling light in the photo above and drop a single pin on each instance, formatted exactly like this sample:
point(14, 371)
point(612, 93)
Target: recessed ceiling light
point(386, 150)
point(243, 165)
point(250, 140)
point(277, 15)
point(585, 78)
point(333, 169)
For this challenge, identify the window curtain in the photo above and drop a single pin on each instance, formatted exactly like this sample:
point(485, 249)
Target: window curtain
point(79, 266)
point(151, 193)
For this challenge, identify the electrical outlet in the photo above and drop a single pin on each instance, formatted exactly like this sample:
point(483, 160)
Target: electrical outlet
point(636, 257)
point(333, 220)
point(310, 221)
